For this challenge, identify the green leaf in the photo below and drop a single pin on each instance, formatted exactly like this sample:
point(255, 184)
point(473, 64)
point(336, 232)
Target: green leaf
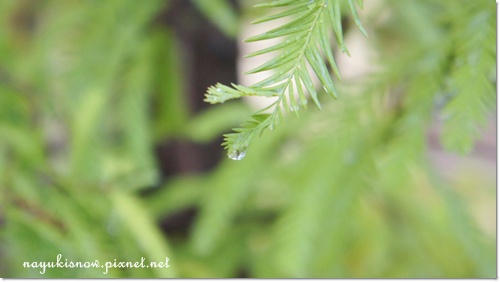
point(304, 42)
point(220, 13)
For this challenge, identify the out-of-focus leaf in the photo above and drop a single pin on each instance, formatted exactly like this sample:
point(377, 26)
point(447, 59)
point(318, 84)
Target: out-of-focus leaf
point(220, 13)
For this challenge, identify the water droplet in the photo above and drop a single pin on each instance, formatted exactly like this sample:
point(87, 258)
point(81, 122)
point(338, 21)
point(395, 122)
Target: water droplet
point(473, 58)
point(311, 4)
point(219, 90)
point(349, 157)
point(316, 3)
point(237, 154)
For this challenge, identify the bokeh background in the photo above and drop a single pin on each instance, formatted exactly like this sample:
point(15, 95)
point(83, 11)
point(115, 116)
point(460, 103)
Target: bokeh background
point(107, 150)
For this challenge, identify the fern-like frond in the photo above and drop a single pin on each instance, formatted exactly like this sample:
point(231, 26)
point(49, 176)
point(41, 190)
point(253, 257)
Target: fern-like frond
point(305, 45)
point(471, 79)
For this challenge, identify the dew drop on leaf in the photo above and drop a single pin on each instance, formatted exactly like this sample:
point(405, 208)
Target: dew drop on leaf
point(316, 3)
point(237, 154)
point(311, 4)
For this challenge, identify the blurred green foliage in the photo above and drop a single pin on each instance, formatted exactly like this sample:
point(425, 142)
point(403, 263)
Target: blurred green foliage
point(348, 191)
